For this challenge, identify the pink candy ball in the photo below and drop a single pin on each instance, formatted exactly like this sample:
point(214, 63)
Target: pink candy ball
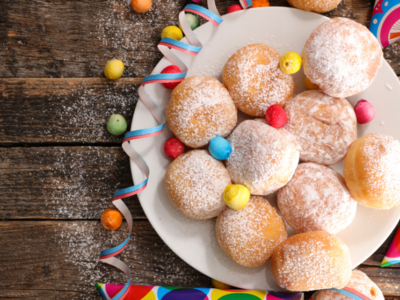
point(364, 111)
point(233, 8)
point(196, 1)
point(173, 147)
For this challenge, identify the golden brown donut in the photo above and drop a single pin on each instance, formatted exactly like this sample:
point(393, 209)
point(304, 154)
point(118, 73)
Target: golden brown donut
point(255, 81)
point(372, 171)
point(200, 108)
point(195, 183)
point(360, 282)
point(316, 199)
point(324, 126)
point(311, 261)
point(341, 57)
point(319, 6)
point(263, 158)
point(249, 235)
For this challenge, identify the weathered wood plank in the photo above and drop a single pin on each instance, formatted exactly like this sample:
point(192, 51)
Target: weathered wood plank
point(56, 38)
point(62, 182)
point(60, 259)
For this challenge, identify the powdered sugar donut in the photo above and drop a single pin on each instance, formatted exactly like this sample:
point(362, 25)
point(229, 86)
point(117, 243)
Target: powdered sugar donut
point(263, 158)
point(341, 57)
point(249, 235)
point(200, 109)
point(311, 261)
point(372, 171)
point(324, 126)
point(319, 6)
point(316, 199)
point(195, 183)
point(360, 282)
point(255, 81)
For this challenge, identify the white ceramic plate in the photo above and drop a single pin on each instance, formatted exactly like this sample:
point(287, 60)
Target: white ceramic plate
point(285, 29)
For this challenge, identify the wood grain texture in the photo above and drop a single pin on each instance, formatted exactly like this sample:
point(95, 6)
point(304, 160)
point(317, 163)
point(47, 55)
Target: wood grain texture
point(63, 182)
point(75, 38)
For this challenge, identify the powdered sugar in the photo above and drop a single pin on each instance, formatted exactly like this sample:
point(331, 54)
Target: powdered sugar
point(341, 57)
point(200, 109)
point(316, 199)
point(324, 126)
point(315, 5)
point(195, 183)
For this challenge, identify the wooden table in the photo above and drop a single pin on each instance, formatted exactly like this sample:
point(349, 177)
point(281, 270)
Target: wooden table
point(60, 167)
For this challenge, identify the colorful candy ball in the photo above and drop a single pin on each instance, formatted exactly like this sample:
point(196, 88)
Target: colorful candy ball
point(364, 111)
point(117, 124)
point(172, 32)
point(220, 148)
point(111, 219)
point(236, 196)
point(196, 1)
point(233, 8)
point(260, 3)
point(171, 69)
point(276, 116)
point(141, 6)
point(114, 69)
point(309, 84)
point(220, 285)
point(173, 147)
point(290, 63)
point(192, 21)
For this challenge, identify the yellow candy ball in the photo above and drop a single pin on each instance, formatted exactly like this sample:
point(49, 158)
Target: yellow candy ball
point(309, 84)
point(290, 63)
point(220, 285)
point(172, 32)
point(236, 196)
point(114, 69)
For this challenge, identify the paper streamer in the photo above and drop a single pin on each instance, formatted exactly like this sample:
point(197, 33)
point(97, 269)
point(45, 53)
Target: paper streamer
point(385, 21)
point(138, 292)
point(165, 46)
point(392, 257)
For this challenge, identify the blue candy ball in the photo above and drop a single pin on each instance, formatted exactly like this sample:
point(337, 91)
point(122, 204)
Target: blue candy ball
point(220, 148)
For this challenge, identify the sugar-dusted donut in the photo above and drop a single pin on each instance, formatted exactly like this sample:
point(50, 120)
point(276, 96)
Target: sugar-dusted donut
point(249, 235)
point(316, 199)
point(263, 158)
point(200, 108)
point(372, 171)
point(318, 6)
point(324, 126)
point(311, 261)
point(341, 57)
point(255, 81)
point(359, 282)
point(195, 183)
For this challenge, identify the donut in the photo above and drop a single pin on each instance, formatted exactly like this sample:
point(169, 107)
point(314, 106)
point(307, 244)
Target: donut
point(200, 108)
point(195, 183)
point(316, 199)
point(372, 171)
point(341, 57)
point(319, 6)
point(263, 158)
point(255, 81)
point(249, 235)
point(311, 261)
point(360, 282)
point(324, 126)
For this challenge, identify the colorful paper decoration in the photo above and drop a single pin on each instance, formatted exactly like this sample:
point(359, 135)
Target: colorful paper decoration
point(392, 257)
point(137, 292)
point(385, 21)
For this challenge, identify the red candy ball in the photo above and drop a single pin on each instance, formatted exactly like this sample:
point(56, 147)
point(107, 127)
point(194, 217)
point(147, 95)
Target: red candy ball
point(233, 8)
point(171, 69)
point(276, 116)
point(173, 147)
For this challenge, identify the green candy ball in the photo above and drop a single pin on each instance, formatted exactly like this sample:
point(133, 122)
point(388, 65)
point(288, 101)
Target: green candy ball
point(192, 20)
point(116, 125)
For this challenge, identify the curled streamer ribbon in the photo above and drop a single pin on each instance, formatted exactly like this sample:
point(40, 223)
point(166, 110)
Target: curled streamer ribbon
point(351, 293)
point(193, 48)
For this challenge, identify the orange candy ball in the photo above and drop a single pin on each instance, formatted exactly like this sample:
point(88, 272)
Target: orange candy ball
point(309, 84)
point(141, 6)
point(111, 219)
point(260, 3)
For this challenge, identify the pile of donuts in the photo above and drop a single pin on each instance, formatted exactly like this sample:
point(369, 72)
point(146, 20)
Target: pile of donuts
point(340, 59)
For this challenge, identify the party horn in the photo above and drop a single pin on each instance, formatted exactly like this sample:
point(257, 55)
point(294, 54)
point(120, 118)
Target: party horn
point(392, 257)
point(385, 21)
point(140, 292)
